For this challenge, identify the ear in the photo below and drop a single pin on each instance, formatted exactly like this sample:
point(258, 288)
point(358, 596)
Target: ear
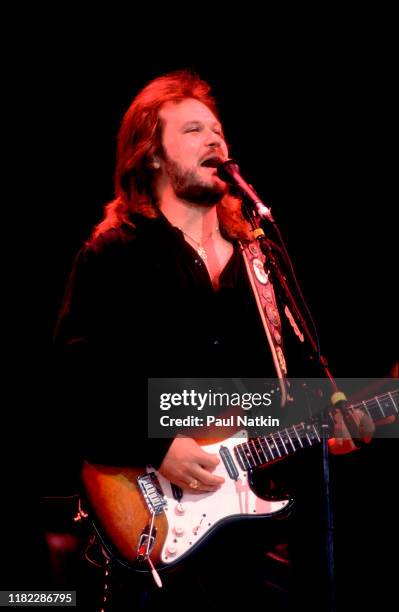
point(155, 163)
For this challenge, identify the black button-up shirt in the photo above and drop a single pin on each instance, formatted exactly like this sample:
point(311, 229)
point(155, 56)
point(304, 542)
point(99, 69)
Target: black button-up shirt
point(139, 304)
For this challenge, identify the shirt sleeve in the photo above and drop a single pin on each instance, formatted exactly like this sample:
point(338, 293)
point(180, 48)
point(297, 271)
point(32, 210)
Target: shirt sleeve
point(99, 382)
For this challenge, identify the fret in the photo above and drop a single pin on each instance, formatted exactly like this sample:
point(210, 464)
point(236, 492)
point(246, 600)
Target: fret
point(387, 403)
point(256, 450)
point(261, 442)
point(316, 432)
point(394, 403)
point(245, 444)
point(241, 456)
point(294, 439)
point(290, 448)
point(310, 434)
point(305, 438)
point(285, 448)
point(374, 410)
point(263, 450)
point(268, 446)
point(367, 410)
point(380, 407)
point(245, 456)
point(275, 445)
point(238, 457)
point(296, 433)
point(289, 438)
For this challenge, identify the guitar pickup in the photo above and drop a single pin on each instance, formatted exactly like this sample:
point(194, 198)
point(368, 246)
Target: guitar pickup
point(152, 492)
point(228, 462)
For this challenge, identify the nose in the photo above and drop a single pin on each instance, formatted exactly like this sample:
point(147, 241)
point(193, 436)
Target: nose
point(214, 141)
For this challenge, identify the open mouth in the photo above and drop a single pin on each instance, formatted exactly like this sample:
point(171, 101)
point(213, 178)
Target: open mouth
point(211, 162)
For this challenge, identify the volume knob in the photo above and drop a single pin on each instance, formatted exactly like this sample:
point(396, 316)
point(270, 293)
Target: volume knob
point(178, 531)
point(180, 509)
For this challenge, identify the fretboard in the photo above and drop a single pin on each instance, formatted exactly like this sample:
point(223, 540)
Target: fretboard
point(260, 451)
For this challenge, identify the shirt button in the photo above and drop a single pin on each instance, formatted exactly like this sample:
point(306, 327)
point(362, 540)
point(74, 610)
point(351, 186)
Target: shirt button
point(197, 261)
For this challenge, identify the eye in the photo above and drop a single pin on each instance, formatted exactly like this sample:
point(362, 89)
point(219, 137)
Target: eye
point(192, 129)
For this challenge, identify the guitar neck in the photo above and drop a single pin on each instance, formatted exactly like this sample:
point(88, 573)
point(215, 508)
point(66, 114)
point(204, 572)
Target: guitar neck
point(258, 452)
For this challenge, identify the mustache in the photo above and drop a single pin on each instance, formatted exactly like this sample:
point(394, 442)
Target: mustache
point(213, 160)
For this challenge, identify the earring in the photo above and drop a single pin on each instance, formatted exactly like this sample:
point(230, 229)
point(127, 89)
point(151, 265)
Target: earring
point(155, 163)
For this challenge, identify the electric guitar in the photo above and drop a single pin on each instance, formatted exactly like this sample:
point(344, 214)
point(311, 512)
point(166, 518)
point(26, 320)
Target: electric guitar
point(144, 521)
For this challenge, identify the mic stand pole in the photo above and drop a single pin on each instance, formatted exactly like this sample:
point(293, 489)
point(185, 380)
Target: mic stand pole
point(273, 268)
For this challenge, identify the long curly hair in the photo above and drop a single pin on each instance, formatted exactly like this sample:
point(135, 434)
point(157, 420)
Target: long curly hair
point(140, 138)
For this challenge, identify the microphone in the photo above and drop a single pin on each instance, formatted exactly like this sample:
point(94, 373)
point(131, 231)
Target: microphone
point(229, 172)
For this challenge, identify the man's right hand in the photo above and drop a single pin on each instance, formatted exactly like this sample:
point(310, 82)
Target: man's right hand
point(188, 466)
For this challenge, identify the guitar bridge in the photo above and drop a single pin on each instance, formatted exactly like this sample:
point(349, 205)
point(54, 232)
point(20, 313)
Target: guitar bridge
point(152, 492)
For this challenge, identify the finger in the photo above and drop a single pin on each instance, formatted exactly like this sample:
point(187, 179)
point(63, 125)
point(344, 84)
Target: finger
point(366, 427)
point(340, 429)
point(386, 421)
point(206, 478)
point(364, 424)
point(209, 460)
point(192, 484)
point(188, 481)
point(202, 488)
point(183, 484)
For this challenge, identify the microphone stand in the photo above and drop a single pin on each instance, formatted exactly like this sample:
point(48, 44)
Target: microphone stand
point(273, 268)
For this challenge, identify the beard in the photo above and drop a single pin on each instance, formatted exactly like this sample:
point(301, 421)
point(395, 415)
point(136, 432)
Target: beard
point(188, 186)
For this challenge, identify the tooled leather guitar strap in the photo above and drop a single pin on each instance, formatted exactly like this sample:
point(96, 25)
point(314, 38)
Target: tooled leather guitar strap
point(265, 298)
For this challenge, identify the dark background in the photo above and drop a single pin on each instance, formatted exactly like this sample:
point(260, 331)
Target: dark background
point(313, 126)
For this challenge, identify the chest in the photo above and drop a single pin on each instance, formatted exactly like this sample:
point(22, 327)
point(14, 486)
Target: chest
point(218, 254)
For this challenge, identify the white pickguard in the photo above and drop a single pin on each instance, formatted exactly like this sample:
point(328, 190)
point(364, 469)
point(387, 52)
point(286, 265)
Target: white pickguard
point(191, 519)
